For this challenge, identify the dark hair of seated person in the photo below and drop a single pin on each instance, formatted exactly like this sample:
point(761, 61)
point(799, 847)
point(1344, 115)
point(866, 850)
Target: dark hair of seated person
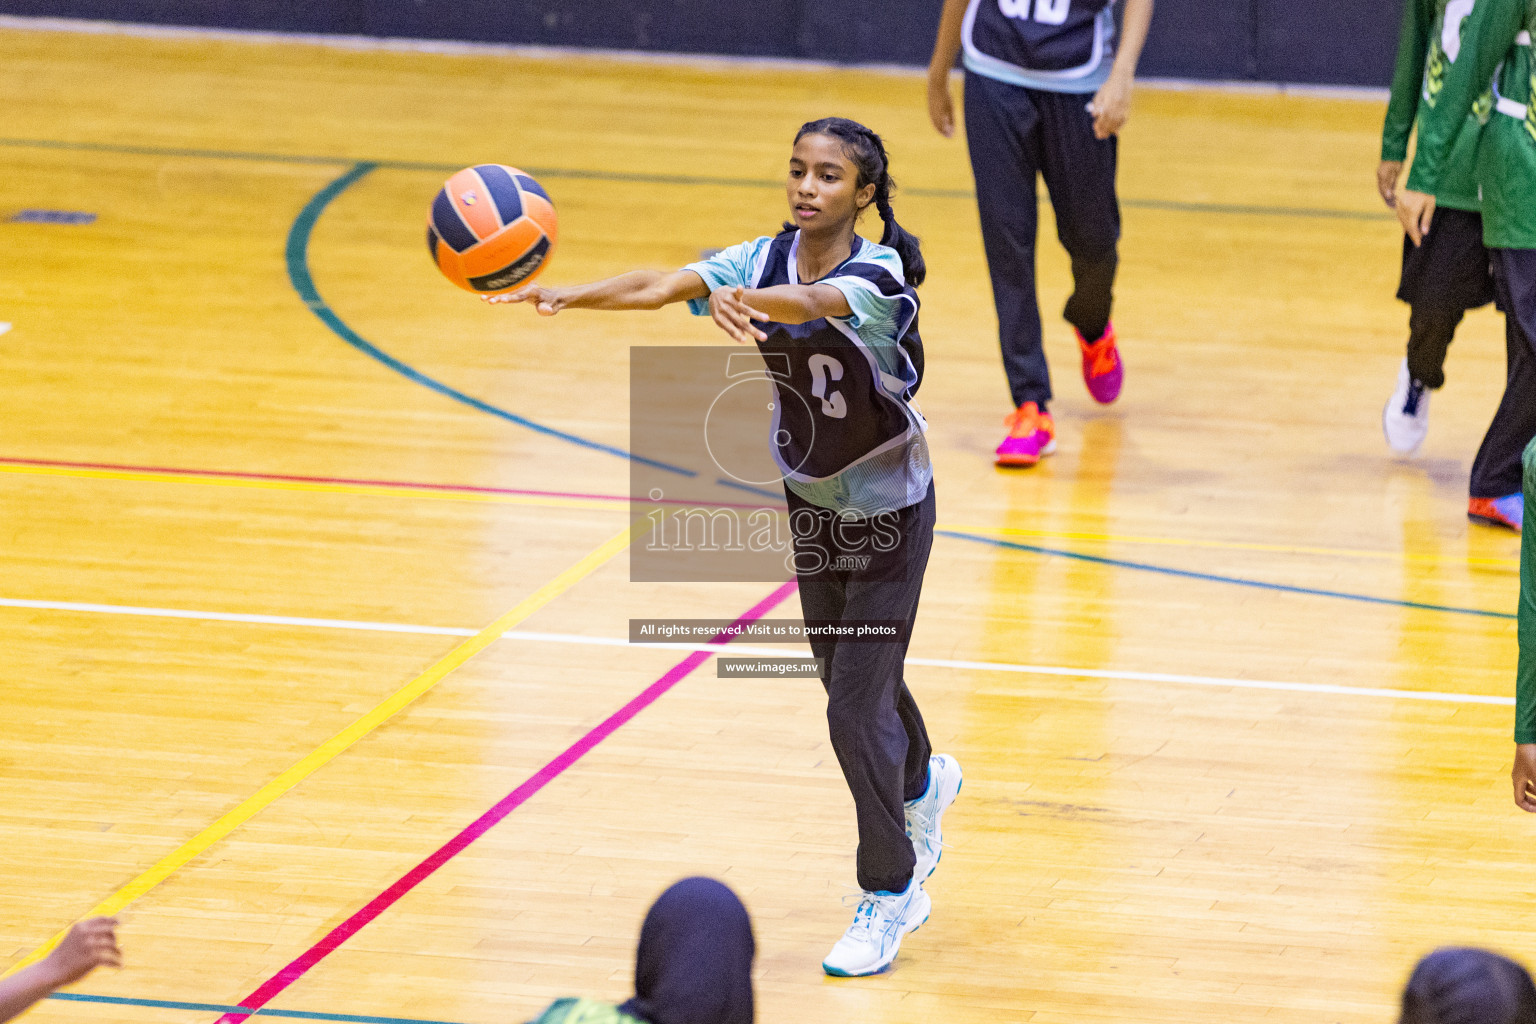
point(1458, 985)
point(693, 964)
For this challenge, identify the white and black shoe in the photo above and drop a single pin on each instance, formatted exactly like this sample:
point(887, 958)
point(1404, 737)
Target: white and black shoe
point(882, 920)
point(1405, 420)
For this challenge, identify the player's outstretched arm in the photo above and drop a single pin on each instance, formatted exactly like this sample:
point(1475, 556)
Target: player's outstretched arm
point(89, 944)
point(1111, 105)
point(638, 289)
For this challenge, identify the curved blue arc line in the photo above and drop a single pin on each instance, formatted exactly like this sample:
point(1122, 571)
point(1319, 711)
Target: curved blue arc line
point(304, 284)
point(1239, 581)
point(176, 1004)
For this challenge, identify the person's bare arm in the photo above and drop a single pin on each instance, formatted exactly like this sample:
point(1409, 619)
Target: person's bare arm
point(946, 47)
point(734, 309)
point(638, 289)
point(1111, 105)
point(88, 945)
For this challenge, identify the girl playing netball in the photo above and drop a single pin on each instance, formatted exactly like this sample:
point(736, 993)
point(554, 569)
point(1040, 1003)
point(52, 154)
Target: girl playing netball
point(841, 313)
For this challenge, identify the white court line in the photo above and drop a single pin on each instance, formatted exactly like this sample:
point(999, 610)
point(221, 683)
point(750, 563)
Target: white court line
point(1050, 670)
point(603, 641)
point(4, 327)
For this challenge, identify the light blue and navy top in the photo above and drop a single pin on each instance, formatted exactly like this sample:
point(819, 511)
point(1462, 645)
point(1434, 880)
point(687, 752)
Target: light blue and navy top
point(1054, 45)
point(846, 433)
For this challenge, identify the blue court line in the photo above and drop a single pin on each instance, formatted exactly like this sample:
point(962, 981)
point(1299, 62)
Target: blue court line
point(777, 496)
point(304, 284)
point(172, 1004)
point(1120, 563)
point(638, 178)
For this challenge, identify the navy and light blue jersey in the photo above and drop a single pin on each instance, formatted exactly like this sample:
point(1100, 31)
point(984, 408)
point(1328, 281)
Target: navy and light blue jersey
point(846, 433)
point(1055, 45)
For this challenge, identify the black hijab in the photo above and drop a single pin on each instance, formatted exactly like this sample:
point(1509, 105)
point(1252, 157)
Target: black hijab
point(694, 964)
point(1469, 986)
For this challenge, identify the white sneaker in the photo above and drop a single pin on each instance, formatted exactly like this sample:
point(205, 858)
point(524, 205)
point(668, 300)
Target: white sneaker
point(923, 814)
point(870, 943)
point(1405, 420)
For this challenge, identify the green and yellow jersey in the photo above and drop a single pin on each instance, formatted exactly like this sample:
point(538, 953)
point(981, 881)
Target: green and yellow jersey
point(583, 1011)
point(1428, 43)
point(1494, 46)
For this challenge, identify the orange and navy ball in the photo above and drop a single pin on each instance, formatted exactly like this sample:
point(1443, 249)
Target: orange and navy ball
point(491, 229)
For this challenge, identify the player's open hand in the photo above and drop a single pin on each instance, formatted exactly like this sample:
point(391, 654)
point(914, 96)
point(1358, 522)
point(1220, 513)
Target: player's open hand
point(941, 105)
point(729, 308)
point(1111, 106)
point(1387, 173)
point(1524, 776)
point(1415, 211)
point(548, 301)
point(90, 944)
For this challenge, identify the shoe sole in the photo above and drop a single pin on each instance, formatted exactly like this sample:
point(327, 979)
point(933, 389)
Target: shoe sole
point(1103, 401)
point(1491, 521)
point(837, 972)
point(1020, 460)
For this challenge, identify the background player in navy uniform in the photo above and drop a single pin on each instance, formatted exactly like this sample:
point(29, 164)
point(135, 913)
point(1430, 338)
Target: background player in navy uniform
point(843, 311)
point(1045, 93)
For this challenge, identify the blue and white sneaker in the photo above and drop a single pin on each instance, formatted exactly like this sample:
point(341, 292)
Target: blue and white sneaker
point(883, 918)
point(924, 813)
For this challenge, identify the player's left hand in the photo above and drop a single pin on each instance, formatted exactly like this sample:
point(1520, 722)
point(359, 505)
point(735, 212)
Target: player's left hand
point(1524, 776)
point(1111, 106)
point(1415, 211)
point(548, 301)
point(728, 307)
point(1387, 173)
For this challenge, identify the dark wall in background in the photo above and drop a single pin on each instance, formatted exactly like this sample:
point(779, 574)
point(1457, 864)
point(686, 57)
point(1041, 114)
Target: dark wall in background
point(1342, 42)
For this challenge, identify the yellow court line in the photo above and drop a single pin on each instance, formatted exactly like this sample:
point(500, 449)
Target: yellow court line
point(1224, 545)
point(340, 742)
point(143, 476)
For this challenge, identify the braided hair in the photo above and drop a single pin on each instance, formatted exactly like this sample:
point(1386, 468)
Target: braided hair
point(867, 152)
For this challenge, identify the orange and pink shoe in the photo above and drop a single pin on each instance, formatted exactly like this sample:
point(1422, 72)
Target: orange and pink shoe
point(1031, 434)
point(1103, 370)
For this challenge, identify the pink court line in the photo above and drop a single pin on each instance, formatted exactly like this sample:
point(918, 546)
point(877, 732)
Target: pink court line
point(483, 824)
point(228, 474)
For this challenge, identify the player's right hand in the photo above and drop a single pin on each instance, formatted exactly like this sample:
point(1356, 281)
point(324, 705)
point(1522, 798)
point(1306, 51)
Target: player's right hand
point(90, 944)
point(548, 301)
point(1387, 173)
point(941, 105)
point(1524, 776)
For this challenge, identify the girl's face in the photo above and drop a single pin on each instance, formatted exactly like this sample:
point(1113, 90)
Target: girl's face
point(823, 186)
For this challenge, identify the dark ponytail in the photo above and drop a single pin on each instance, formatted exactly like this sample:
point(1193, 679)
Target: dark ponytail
point(867, 152)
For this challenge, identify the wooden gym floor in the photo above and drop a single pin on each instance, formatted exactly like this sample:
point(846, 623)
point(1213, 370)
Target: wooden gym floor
point(1239, 749)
